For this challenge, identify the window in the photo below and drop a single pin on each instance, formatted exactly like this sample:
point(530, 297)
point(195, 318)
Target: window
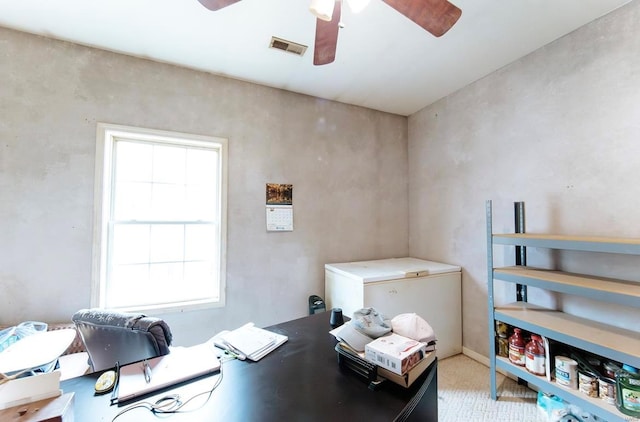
point(160, 223)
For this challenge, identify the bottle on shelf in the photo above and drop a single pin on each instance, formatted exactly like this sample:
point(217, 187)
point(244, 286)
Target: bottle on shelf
point(502, 340)
point(628, 391)
point(610, 369)
point(534, 355)
point(502, 329)
point(516, 347)
point(607, 382)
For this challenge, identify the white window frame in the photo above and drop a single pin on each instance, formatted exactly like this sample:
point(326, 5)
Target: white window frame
point(106, 137)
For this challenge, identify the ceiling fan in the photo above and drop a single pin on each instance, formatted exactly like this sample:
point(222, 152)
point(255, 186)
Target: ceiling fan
point(435, 16)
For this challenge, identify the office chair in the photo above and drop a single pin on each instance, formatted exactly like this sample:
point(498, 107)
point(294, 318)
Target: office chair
point(111, 337)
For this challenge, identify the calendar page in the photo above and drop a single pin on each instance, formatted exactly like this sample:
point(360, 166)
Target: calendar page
point(279, 218)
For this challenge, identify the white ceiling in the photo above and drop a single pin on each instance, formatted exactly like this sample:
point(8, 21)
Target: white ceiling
point(384, 61)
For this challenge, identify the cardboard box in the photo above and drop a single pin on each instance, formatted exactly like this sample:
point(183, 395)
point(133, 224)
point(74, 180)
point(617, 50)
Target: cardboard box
point(56, 409)
point(407, 379)
point(395, 353)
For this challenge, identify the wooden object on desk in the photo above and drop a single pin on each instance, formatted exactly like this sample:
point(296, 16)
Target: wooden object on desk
point(28, 389)
point(57, 409)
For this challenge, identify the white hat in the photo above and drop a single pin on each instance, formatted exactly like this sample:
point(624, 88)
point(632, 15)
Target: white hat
point(412, 326)
point(367, 324)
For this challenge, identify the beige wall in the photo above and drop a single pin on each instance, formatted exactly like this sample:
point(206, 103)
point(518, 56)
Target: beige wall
point(558, 129)
point(347, 165)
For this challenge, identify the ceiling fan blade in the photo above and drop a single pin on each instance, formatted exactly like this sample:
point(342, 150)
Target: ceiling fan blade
point(217, 4)
point(436, 16)
point(326, 42)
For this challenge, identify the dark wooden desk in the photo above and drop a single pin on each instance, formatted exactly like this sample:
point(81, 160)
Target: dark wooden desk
point(299, 381)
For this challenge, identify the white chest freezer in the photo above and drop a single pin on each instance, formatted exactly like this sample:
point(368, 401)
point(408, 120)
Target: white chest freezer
point(399, 285)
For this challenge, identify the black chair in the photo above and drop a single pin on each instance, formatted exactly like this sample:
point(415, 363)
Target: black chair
point(111, 337)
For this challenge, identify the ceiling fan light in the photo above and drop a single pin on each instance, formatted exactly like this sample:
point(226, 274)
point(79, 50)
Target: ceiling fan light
point(322, 9)
point(357, 6)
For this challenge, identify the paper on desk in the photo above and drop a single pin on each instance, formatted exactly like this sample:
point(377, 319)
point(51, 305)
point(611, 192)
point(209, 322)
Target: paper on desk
point(254, 342)
point(181, 364)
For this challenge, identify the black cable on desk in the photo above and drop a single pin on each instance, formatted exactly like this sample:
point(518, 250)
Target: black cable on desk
point(171, 403)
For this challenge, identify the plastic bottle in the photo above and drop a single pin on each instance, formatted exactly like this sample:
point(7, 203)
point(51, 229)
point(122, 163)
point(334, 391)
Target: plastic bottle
point(534, 356)
point(516, 348)
point(628, 392)
point(502, 339)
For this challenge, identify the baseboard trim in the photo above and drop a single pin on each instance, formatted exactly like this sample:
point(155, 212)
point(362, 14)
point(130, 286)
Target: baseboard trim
point(475, 356)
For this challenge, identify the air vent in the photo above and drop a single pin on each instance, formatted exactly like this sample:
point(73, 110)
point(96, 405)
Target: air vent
point(288, 46)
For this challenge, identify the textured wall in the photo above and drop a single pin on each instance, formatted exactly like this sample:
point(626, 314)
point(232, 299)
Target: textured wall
point(558, 129)
point(347, 166)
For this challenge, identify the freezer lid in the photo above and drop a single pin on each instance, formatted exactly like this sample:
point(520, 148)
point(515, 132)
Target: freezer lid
point(390, 269)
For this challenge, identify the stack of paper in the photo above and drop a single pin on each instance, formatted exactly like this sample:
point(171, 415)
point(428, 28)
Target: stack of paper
point(253, 342)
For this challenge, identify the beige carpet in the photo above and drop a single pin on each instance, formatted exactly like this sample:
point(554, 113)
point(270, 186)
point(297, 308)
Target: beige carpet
point(463, 395)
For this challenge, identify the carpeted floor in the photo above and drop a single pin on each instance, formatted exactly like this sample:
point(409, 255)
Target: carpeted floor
point(463, 395)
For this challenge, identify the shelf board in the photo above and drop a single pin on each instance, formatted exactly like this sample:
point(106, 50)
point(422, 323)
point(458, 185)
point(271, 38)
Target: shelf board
point(578, 243)
point(621, 292)
point(593, 405)
point(602, 339)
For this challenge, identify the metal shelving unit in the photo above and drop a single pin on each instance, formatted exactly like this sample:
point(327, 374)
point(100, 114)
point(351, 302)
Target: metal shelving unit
point(602, 339)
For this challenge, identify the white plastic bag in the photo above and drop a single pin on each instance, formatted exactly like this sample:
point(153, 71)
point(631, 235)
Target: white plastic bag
point(10, 335)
